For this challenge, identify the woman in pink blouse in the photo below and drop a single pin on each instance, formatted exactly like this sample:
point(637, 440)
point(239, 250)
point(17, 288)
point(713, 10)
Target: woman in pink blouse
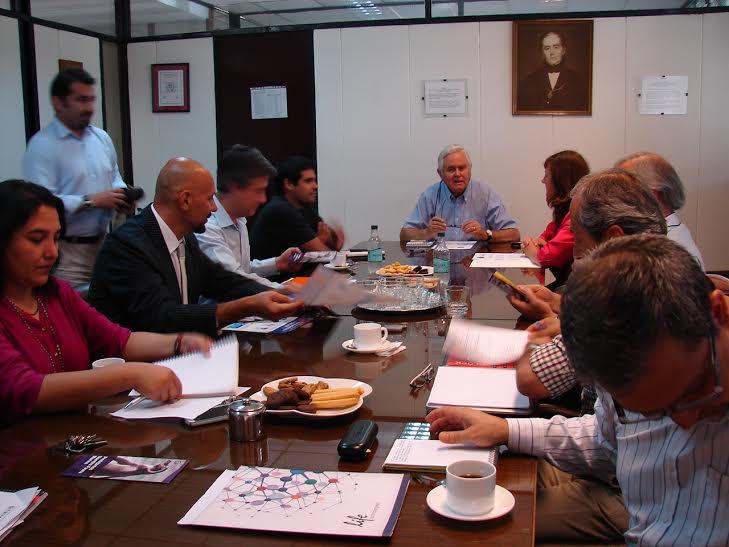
point(49, 335)
point(553, 249)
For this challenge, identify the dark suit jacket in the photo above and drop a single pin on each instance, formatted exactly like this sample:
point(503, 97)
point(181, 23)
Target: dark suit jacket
point(569, 93)
point(134, 283)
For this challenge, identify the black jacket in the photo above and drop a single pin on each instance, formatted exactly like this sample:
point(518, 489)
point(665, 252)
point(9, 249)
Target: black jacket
point(134, 282)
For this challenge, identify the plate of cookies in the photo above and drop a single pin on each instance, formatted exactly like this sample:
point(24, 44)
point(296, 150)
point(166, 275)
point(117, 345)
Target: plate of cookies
point(396, 269)
point(313, 397)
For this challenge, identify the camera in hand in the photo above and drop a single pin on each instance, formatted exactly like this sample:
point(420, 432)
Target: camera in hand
point(133, 194)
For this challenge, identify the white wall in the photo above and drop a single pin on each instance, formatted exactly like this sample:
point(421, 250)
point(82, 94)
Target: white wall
point(52, 45)
point(159, 137)
point(11, 101)
point(376, 152)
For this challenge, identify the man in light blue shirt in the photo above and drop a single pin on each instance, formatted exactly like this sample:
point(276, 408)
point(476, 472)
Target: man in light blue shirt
point(462, 208)
point(77, 162)
point(243, 176)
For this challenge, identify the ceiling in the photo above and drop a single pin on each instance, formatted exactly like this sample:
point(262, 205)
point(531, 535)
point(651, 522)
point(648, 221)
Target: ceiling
point(155, 17)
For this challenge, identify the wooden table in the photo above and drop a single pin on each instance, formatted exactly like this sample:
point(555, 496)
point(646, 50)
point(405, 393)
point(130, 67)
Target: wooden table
point(106, 512)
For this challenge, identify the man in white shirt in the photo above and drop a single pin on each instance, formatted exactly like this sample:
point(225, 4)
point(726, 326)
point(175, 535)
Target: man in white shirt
point(243, 176)
point(644, 324)
point(663, 180)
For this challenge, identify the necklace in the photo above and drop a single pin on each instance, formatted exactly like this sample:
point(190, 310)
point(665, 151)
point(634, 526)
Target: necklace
point(16, 307)
point(55, 358)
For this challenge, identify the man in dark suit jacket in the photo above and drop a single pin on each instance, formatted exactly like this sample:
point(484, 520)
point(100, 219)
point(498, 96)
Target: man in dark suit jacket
point(553, 86)
point(138, 278)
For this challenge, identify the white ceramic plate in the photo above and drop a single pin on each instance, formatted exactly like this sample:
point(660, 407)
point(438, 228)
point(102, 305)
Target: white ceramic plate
point(320, 414)
point(424, 270)
point(503, 503)
point(386, 345)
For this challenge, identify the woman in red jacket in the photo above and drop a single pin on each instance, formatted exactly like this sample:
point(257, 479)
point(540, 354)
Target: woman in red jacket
point(553, 249)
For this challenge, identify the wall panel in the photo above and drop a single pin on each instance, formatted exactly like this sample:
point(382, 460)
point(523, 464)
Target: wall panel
point(11, 101)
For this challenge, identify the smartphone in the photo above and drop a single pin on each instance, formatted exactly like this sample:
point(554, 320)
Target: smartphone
point(218, 413)
point(506, 285)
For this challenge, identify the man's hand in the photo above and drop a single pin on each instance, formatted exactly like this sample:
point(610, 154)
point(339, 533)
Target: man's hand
point(436, 225)
point(337, 235)
point(272, 305)
point(323, 232)
point(474, 229)
point(454, 425)
point(284, 262)
point(542, 302)
point(155, 382)
point(544, 330)
point(111, 199)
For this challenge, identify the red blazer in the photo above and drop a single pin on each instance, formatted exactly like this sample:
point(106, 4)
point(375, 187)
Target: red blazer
point(557, 253)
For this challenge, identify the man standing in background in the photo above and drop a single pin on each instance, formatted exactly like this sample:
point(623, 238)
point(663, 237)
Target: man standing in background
point(77, 162)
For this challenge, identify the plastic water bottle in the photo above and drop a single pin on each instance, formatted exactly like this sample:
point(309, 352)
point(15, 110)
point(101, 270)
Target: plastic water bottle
point(442, 260)
point(375, 255)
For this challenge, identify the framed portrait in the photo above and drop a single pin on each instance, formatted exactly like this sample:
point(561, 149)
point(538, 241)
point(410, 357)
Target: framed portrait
point(171, 87)
point(552, 67)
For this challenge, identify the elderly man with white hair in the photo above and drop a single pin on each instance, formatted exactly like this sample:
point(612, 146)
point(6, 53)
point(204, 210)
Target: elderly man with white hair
point(660, 176)
point(462, 208)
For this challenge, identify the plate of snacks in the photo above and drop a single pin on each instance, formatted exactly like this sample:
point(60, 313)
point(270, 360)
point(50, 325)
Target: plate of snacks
point(396, 269)
point(313, 397)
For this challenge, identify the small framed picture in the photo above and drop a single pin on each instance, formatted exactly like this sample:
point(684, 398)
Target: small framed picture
point(552, 67)
point(171, 87)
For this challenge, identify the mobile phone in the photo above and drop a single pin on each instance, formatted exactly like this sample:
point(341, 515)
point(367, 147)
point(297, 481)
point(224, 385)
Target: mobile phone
point(218, 413)
point(506, 285)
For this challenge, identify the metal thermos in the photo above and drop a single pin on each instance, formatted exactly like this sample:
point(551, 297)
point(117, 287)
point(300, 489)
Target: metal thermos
point(245, 420)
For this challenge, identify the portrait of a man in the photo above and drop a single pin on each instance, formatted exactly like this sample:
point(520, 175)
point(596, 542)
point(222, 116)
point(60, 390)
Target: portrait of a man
point(552, 67)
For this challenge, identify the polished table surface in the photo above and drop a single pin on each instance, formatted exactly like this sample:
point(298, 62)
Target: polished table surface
point(106, 512)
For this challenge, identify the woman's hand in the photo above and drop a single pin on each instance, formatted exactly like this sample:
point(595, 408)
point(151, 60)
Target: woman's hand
point(154, 381)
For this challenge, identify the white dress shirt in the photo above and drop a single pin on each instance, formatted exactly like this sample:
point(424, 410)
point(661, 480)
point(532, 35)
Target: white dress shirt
point(226, 241)
point(172, 244)
point(679, 232)
point(675, 481)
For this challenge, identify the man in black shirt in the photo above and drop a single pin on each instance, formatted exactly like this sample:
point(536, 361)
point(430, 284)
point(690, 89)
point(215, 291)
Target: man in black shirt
point(289, 219)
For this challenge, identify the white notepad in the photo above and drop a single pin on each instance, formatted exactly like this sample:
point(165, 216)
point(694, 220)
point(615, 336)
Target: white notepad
point(433, 455)
point(492, 389)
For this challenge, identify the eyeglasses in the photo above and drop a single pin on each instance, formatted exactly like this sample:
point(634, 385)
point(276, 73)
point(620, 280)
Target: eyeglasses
point(425, 376)
point(679, 407)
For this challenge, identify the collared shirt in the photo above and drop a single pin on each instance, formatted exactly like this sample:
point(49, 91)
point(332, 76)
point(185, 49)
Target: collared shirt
point(71, 167)
point(675, 481)
point(172, 243)
point(226, 241)
point(679, 232)
point(478, 202)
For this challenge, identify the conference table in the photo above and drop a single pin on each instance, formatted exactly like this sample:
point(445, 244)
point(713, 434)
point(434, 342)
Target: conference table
point(108, 512)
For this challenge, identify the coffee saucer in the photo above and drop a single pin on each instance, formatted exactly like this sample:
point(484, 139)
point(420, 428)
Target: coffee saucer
point(503, 503)
point(333, 267)
point(384, 346)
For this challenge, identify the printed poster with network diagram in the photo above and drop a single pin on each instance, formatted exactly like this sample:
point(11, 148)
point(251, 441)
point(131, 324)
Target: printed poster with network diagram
point(300, 501)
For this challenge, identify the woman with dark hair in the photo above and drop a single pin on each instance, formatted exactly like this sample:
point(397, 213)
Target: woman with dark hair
point(553, 249)
point(49, 335)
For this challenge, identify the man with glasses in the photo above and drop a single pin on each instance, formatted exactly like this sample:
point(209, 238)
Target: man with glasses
point(642, 322)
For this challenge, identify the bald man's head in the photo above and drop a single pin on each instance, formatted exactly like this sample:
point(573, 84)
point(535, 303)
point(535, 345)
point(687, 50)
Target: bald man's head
point(185, 192)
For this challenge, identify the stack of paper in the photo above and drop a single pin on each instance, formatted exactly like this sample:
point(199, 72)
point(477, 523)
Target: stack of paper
point(502, 260)
point(16, 506)
point(433, 455)
point(460, 245)
point(328, 288)
point(186, 409)
point(491, 389)
point(474, 343)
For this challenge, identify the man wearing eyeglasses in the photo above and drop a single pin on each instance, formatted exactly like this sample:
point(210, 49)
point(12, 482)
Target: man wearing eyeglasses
point(642, 322)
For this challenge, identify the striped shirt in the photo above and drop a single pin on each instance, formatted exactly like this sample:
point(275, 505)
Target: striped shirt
point(675, 481)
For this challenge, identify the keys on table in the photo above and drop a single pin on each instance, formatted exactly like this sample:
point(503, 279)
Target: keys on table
point(77, 444)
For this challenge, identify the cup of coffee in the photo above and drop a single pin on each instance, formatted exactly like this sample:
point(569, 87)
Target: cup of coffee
point(470, 487)
point(339, 260)
point(107, 362)
point(369, 335)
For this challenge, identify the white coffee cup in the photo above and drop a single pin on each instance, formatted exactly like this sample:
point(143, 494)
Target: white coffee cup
point(369, 335)
point(339, 260)
point(107, 362)
point(470, 487)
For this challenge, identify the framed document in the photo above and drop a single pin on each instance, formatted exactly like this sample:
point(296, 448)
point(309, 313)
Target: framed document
point(552, 67)
point(171, 87)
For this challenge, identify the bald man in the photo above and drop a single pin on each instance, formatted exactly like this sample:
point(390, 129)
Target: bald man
point(150, 272)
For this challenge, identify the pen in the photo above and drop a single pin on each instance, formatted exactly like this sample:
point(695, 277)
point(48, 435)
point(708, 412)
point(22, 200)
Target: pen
point(134, 402)
point(414, 382)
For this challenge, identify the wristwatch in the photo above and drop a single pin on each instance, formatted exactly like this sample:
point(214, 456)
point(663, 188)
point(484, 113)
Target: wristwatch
point(87, 203)
point(489, 235)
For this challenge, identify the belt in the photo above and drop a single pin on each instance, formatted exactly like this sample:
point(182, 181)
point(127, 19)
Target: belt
point(83, 240)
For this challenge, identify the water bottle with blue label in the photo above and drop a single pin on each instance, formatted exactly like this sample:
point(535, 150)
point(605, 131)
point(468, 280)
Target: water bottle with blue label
point(375, 255)
point(441, 257)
